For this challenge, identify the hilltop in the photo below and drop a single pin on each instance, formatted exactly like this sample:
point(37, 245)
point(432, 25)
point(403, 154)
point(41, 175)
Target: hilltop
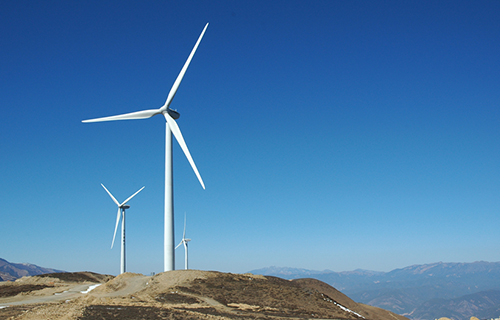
point(182, 294)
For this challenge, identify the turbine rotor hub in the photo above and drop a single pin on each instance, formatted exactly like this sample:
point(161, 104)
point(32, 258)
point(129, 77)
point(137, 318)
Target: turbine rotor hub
point(173, 113)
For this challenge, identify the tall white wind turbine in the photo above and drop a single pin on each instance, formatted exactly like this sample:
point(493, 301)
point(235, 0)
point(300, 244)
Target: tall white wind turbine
point(121, 212)
point(184, 241)
point(171, 127)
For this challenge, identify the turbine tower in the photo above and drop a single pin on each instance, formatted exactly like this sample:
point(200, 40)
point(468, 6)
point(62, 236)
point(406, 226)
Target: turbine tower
point(121, 212)
point(185, 242)
point(171, 127)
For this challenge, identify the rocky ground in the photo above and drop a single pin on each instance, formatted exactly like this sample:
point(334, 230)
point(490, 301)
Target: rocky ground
point(182, 294)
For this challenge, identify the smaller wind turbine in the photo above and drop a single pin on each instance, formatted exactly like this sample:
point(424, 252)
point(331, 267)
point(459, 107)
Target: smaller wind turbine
point(185, 242)
point(121, 209)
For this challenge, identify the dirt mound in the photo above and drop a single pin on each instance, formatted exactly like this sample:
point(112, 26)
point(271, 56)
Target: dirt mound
point(179, 278)
point(117, 283)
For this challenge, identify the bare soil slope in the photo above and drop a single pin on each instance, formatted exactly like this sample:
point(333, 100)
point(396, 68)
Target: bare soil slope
point(191, 294)
point(366, 311)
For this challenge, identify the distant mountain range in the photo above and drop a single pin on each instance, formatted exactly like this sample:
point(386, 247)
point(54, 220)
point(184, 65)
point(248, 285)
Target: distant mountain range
point(419, 292)
point(11, 271)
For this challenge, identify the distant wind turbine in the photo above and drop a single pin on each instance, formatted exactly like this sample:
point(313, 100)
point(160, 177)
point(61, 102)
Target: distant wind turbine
point(121, 212)
point(171, 127)
point(185, 242)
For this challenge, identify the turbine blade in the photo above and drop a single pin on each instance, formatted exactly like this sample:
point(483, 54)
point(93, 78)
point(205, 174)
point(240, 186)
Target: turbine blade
point(131, 196)
point(178, 245)
point(177, 82)
point(144, 114)
point(178, 135)
point(110, 195)
point(116, 227)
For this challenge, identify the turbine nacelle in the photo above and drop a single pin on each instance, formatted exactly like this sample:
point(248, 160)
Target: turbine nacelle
point(183, 242)
point(173, 113)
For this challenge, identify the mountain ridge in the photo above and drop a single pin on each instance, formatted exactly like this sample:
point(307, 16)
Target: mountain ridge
point(10, 271)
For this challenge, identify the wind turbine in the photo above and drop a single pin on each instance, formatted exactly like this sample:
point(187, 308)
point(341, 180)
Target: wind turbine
point(171, 127)
point(185, 242)
point(121, 209)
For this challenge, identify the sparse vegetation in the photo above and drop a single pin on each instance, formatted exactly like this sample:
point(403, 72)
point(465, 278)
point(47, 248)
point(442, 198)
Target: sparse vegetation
point(10, 290)
point(77, 276)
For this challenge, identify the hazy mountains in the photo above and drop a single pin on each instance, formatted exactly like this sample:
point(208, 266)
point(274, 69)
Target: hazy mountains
point(430, 291)
point(11, 271)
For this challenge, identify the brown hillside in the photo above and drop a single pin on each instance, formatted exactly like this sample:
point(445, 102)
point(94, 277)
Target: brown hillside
point(191, 294)
point(366, 311)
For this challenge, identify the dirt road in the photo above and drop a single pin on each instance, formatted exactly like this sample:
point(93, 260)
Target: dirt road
point(71, 292)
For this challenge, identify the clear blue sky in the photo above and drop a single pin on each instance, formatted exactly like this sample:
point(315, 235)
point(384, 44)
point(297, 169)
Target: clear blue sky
point(330, 134)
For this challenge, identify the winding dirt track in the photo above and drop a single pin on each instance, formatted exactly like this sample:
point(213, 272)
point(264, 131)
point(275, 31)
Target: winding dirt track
point(70, 293)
